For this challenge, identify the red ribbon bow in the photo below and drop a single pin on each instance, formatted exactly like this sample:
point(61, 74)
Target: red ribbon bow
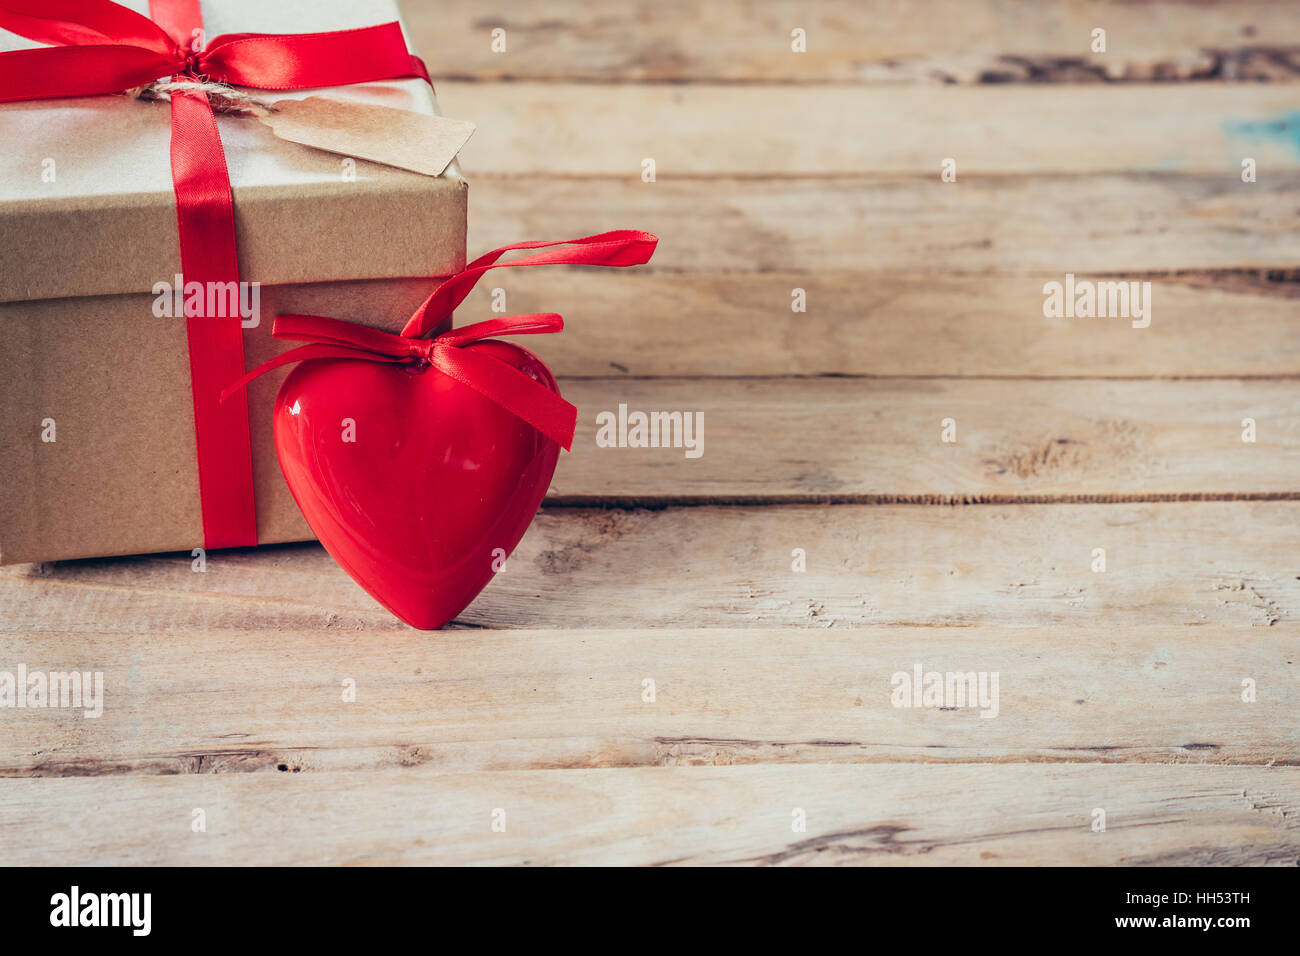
point(496, 380)
point(102, 47)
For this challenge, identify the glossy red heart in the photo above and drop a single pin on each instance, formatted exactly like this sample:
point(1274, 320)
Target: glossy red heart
point(416, 484)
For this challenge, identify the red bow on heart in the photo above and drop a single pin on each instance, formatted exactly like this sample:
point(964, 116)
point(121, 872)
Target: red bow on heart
point(498, 381)
point(456, 451)
point(503, 384)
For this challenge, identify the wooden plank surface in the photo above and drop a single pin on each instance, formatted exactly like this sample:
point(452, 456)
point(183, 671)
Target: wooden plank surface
point(899, 814)
point(583, 129)
point(1118, 689)
point(877, 41)
point(1037, 225)
point(864, 439)
point(686, 325)
point(1221, 563)
point(271, 701)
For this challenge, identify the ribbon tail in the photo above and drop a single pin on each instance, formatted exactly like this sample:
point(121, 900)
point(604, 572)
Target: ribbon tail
point(301, 354)
point(538, 323)
point(327, 331)
point(514, 391)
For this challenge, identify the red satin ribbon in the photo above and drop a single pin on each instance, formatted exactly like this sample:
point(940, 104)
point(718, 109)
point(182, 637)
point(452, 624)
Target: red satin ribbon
point(508, 387)
point(102, 47)
point(496, 380)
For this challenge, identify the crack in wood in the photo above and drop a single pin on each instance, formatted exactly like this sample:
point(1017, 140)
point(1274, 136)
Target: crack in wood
point(557, 503)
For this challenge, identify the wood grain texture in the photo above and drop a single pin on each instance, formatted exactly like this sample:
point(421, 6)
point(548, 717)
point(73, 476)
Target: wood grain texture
point(900, 814)
point(1117, 690)
point(271, 701)
point(545, 129)
point(769, 440)
point(1221, 563)
point(879, 41)
point(659, 324)
point(1004, 225)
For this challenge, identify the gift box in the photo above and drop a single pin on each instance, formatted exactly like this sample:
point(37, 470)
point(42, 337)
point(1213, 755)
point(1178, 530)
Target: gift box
point(98, 447)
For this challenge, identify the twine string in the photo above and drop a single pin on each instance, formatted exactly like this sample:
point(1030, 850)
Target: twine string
point(224, 99)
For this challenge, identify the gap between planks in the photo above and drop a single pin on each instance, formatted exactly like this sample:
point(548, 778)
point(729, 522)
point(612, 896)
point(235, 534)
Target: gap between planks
point(662, 502)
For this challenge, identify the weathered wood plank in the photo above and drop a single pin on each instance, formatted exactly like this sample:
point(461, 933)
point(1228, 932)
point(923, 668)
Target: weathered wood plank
point(903, 814)
point(854, 41)
point(541, 129)
point(240, 702)
point(800, 438)
point(1206, 562)
point(651, 324)
point(1006, 225)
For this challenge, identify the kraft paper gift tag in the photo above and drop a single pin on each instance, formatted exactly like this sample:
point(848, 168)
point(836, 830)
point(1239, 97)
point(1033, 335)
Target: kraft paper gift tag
point(415, 141)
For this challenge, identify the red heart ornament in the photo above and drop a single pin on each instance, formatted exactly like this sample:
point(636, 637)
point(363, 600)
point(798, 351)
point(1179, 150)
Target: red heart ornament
point(417, 484)
point(419, 462)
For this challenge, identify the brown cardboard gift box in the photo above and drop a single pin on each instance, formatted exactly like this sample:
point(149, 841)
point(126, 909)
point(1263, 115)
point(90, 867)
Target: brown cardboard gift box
point(88, 231)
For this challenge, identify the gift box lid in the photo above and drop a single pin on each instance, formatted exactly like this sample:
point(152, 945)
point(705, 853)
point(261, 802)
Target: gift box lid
point(87, 205)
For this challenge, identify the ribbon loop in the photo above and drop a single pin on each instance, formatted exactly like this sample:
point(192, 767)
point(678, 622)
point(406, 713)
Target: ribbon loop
point(59, 71)
point(83, 23)
point(497, 381)
point(622, 247)
point(296, 61)
point(101, 47)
